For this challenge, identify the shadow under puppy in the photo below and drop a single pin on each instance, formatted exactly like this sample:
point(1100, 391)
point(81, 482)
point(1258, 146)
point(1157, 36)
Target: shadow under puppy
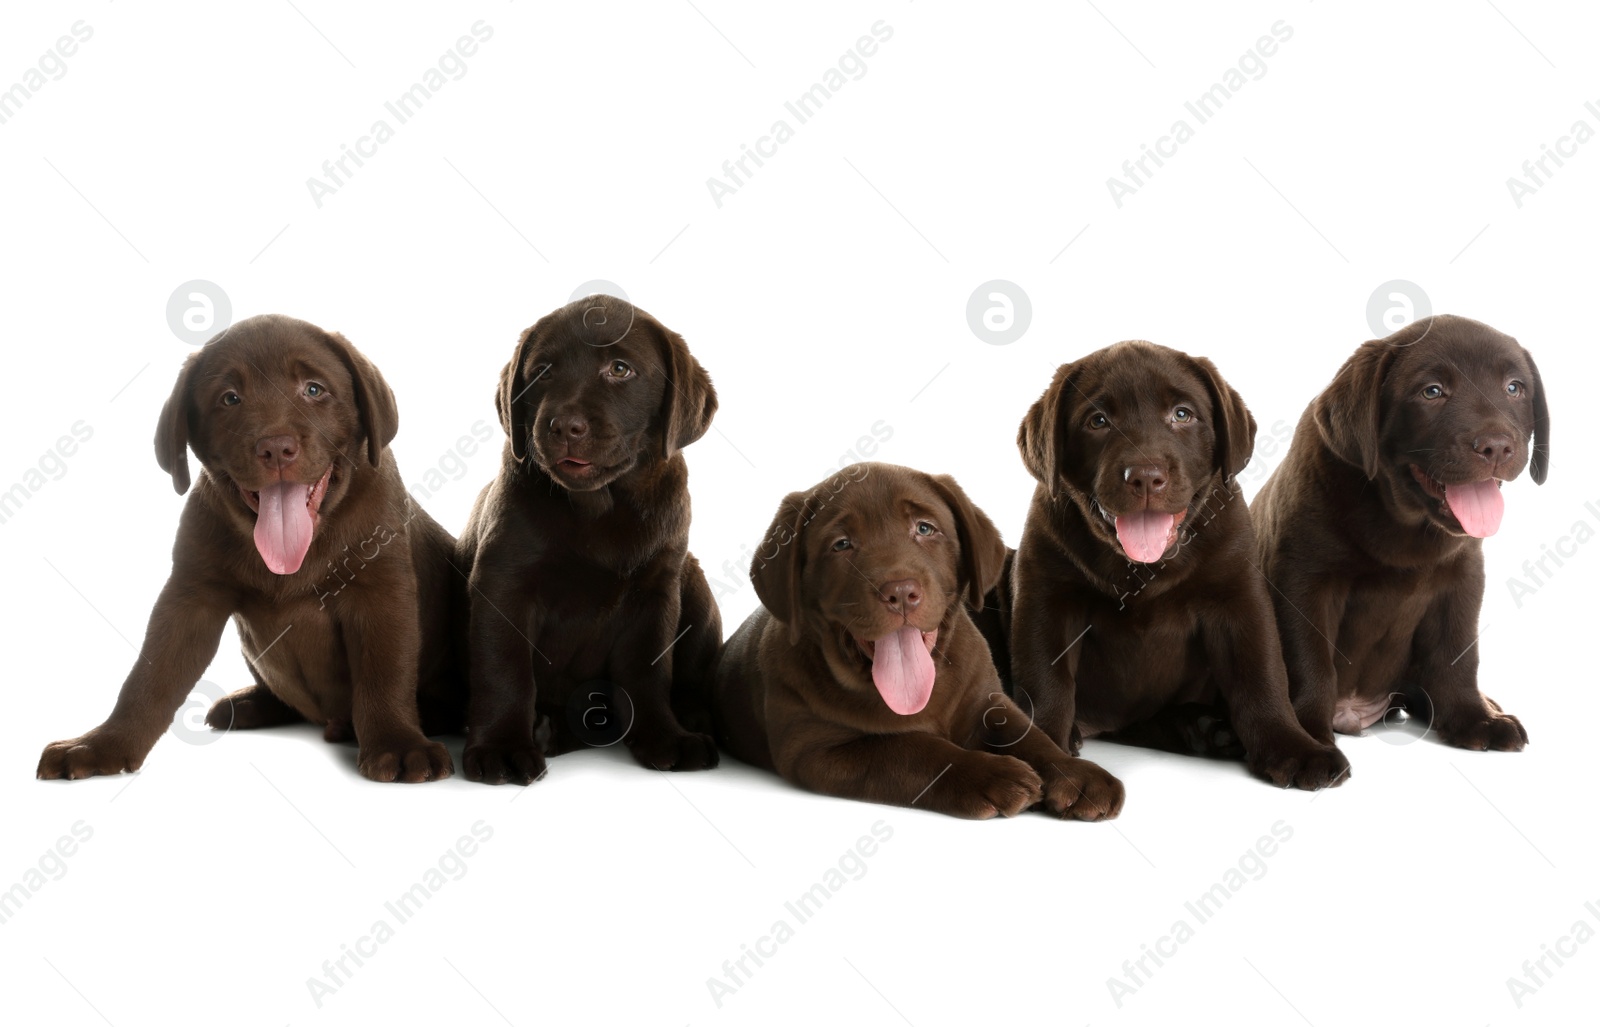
point(862, 675)
point(301, 530)
point(1132, 607)
point(583, 594)
point(1372, 528)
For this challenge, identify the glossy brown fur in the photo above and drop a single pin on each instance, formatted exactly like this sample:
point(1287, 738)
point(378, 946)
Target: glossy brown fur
point(371, 605)
point(794, 692)
point(586, 607)
point(1377, 587)
point(1181, 653)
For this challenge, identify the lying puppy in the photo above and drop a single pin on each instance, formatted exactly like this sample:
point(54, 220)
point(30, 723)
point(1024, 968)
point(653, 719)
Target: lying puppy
point(583, 591)
point(1372, 528)
point(862, 676)
point(1132, 608)
point(301, 530)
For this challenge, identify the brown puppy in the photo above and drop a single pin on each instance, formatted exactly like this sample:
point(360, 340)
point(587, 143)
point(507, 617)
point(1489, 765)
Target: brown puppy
point(299, 521)
point(586, 605)
point(863, 676)
point(1372, 528)
point(1132, 607)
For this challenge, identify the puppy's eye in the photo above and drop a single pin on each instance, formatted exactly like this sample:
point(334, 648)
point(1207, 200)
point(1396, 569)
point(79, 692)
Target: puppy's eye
point(314, 389)
point(841, 545)
point(231, 399)
point(1514, 388)
point(620, 370)
point(539, 373)
point(1183, 415)
point(1432, 392)
point(925, 529)
point(1098, 421)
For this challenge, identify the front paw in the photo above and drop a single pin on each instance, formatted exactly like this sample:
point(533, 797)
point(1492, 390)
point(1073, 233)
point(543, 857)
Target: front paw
point(1310, 768)
point(991, 785)
point(1081, 790)
point(1495, 730)
point(684, 750)
point(497, 763)
point(95, 753)
point(413, 761)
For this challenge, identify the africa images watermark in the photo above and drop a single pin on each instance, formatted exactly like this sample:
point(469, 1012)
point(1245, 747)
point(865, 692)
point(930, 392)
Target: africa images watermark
point(51, 866)
point(737, 972)
point(1536, 573)
point(1252, 866)
point(52, 466)
point(1537, 172)
point(451, 866)
point(51, 67)
point(802, 108)
point(1203, 108)
point(1530, 983)
point(337, 173)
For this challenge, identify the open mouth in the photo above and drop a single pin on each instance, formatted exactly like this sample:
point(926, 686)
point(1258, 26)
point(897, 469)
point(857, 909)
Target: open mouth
point(1145, 536)
point(902, 667)
point(1477, 506)
point(286, 519)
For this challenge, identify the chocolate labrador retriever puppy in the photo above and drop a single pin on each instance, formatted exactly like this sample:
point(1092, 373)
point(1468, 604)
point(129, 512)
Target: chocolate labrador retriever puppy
point(1133, 608)
point(583, 593)
point(1372, 528)
point(862, 675)
point(301, 530)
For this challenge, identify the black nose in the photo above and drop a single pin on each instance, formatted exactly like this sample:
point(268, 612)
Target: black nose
point(1145, 479)
point(572, 426)
point(277, 451)
point(901, 596)
point(1494, 448)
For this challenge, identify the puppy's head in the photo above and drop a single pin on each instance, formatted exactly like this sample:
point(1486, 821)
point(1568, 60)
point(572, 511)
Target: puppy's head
point(1137, 436)
point(598, 388)
point(872, 565)
point(1439, 414)
point(281, 414)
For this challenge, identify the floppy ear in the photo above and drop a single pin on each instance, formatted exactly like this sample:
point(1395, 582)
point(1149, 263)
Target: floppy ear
point(380, 416)
point(1539, 462)
point(983, 552)
point(1349, 410)
point(689, 400)
point(1039, 435)
point(1235, 429)
point(508, 398)
point(775, 569)
point(172, 429)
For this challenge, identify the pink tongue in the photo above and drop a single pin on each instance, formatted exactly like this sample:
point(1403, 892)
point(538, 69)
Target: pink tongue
point(1144, 535)
point(1478, 506)
point(902, 668)
point(283, 526)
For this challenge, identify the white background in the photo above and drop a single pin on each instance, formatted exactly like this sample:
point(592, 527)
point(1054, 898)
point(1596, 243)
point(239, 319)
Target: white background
point(826, 295)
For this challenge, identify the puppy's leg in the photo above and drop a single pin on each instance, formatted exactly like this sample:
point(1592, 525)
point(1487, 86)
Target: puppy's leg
point(1190, 729)
point(922, 771)
point(251, 707)
point(381, 635)
point(185, 628)
point(1046, 640)
point(695, 654)
point(501, 746)
point(1444, 675)
point(1247, 663)
point(642, 666)
point(1308, 622)
point(1073, 788)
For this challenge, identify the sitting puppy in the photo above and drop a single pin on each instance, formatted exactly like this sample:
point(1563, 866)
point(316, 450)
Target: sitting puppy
point(862, 676)
point(583, 593)
point(1132, 608)
point(301, 530)
point(1372, 528)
